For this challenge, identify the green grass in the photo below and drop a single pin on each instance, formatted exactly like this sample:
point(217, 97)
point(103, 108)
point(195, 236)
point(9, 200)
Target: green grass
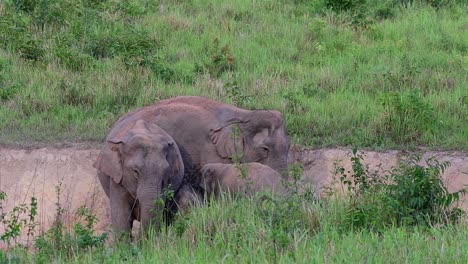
point(67, 73)
point(241, 231)
point(404, 215)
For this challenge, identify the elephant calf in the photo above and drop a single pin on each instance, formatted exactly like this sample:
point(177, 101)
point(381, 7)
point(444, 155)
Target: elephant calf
point(137, 162)
point(247, 178)
point(187, 197)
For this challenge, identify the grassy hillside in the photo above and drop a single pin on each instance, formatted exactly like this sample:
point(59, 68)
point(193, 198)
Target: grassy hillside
point(373, 75)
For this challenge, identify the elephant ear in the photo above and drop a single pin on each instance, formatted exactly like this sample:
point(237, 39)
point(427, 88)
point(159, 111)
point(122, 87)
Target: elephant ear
point(228, 138)
point(207, 182)
point(109, 160)
point(177, 166)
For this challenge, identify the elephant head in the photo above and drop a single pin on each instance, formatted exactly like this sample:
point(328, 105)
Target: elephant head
point(256, 136)
point(143, 160)
point(246, 179)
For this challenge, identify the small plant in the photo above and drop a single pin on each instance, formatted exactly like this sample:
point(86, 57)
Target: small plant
point(463, 100)
point(221, 59)
point(181, 224)
point(14, 222)
point(288, 214)
point(57, 240)
point(84, 233)
point(293, 101)
point(293, 181)
point(359, 180)
point(420, 194)
point(235, 93)
point(409, 194)
point(8, 91)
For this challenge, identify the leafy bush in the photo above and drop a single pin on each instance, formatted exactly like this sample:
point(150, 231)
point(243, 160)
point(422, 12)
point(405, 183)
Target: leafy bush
point(410, 194)
point(236, 93)
point(440, 3)
point(420, 194)
point(69, 55)
point(57, 240)
point(20, 217)
point(7, 91)
point(220, 59)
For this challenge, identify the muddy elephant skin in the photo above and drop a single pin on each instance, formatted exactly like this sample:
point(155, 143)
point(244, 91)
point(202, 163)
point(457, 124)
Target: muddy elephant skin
point(207, 131)
point(241, 179)
point(186, 198)
point(135, 165)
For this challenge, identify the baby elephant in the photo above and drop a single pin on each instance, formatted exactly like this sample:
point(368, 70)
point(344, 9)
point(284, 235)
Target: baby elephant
point(185, 198)
point(247, 178)
point(137, 162)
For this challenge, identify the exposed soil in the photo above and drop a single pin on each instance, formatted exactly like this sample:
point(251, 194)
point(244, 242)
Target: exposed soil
point(37, 172)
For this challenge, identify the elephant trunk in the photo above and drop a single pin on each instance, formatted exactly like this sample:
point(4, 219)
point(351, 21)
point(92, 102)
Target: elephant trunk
point(151, 206)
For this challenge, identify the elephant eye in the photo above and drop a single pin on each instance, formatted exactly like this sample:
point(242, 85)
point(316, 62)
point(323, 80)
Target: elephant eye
point(136, 173)
point(265, 150)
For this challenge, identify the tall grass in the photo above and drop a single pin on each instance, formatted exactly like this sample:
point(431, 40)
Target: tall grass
point(68, 69)
point(405, 216)
point(242, 231)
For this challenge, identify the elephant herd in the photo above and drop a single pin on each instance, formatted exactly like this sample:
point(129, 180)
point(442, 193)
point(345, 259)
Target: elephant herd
point(192, 146)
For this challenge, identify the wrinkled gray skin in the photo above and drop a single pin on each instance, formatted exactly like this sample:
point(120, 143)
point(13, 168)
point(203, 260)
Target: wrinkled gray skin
point(246, 179)
point(134, 166)
point(203, 130)
point(186, 198)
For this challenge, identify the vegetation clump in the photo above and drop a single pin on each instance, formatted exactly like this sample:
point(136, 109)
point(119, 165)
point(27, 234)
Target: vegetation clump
point(408, 195)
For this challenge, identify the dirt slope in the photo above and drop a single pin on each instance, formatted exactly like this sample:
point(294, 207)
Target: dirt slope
point(37, 172)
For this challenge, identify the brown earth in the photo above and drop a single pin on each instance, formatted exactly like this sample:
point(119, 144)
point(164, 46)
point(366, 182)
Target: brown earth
point(37, 172)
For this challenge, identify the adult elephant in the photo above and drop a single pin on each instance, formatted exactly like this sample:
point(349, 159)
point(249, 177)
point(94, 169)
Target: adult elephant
point(135, 165)
point(205, 131)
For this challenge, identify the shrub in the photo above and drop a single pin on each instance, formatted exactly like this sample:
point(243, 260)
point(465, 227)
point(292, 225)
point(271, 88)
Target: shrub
point(20, 217)
point(410, 194)
point(220, 60)
point(236, 93)
point(58, 241)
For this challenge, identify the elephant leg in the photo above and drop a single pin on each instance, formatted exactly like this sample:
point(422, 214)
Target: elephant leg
point(121, 203)
point(105, 182)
